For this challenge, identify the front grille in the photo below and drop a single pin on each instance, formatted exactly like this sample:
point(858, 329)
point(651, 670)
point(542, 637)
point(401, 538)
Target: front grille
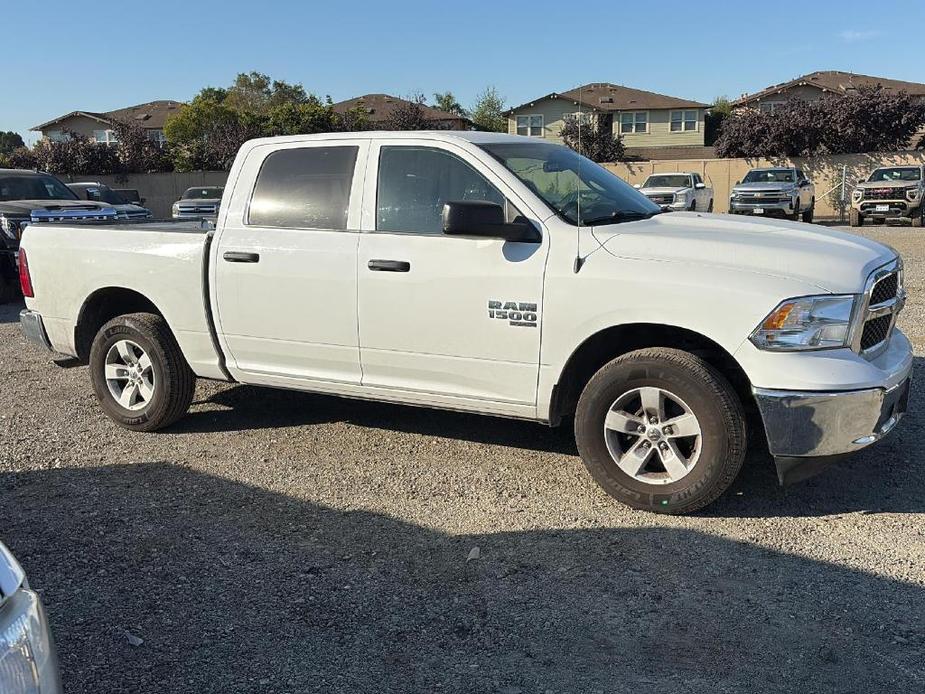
point(884, 193)
point(876, 331)
point(662, 199)
point(197, 209)
point(759, 198)
point(885, 289)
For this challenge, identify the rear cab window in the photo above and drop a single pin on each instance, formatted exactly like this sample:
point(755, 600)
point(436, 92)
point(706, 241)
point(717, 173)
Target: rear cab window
point(304, 188)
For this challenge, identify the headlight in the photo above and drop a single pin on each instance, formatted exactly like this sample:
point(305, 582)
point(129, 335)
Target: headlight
point(27, 658)
point(734, 195)
point(857, 195)
point(810, 322)
point(175, 207)
point(12, 226)
point(912, 194)
point(680, 197)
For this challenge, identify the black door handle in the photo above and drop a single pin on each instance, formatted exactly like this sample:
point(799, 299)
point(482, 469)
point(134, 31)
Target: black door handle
point(241, 257)
point(389, 265)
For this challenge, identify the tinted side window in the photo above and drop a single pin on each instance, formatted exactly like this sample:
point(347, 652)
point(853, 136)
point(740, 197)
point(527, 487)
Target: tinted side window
point(304, 188)
point(415, 182)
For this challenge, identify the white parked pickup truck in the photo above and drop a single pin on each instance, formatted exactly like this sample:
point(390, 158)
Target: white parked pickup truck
point(494, 274)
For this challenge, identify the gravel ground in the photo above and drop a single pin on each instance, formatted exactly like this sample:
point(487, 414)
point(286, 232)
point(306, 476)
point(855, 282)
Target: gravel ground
point(284, 542)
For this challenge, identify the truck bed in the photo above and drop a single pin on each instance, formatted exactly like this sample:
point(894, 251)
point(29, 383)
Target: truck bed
point(162, 261)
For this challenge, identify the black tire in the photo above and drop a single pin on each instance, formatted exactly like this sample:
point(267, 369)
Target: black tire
point(710, 206)
point(917, 218)
point(173, 380)
point(808, 214)
point(855, 218)
point(710, 398)
point(693, 207)
point(796, 213)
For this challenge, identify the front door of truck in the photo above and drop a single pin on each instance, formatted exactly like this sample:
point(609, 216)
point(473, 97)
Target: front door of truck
point(284, 271)
point(449, 316)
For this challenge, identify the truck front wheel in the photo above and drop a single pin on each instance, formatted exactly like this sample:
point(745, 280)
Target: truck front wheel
point(139, 373)
point(660, 429)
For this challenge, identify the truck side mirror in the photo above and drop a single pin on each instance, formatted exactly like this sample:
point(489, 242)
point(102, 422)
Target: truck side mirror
point(637, 186)
point(486, 219)
point(700, 186)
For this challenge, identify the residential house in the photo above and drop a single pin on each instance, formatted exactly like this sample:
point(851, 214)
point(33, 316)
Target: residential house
point(647, 121)
point(815, 85)
point(99, 126)
point(380, 107)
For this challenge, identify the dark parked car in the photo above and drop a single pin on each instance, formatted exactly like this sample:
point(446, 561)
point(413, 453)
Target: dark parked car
point(131, 194)
point(100, 192)
point(32, 196)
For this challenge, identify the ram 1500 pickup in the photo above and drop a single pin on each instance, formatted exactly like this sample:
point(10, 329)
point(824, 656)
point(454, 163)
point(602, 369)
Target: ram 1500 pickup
point(493, 274)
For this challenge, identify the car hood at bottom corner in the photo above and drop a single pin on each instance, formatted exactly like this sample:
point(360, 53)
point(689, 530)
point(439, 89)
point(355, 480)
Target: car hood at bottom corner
point(834, 261)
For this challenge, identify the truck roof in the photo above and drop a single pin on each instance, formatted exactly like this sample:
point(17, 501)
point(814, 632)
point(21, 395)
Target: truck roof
point(472, 136)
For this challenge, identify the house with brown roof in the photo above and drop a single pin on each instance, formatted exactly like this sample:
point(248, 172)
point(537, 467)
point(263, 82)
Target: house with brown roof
point(99, 126)
point(380, 107)
point(815, 85)
point(645, 120)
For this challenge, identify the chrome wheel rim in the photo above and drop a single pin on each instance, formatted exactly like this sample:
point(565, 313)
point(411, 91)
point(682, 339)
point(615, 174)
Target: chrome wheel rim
point(653, 435)
point(129, 375)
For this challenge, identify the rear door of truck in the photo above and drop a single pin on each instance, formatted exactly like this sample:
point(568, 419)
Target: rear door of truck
point(284, 269)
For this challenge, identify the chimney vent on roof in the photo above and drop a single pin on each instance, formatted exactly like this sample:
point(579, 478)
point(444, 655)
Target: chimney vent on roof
point(606, 99)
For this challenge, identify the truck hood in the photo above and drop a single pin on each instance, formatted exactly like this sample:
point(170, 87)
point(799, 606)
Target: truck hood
point(24, 207)
point(760, 187)
point(834, 261)
point(663, 190)
point(867, 185)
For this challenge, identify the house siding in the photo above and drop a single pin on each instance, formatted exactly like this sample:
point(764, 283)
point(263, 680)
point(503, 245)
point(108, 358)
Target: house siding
point(76, 124)
point(554, 111)
point(660, 134)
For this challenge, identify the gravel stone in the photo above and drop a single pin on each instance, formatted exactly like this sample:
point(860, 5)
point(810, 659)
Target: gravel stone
point(276, 541)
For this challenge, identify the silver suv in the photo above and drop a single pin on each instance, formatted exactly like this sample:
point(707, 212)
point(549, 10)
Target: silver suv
point(890, 192)
point(776, 191)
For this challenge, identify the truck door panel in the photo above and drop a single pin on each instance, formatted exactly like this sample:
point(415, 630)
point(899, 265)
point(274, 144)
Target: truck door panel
point(285, 268)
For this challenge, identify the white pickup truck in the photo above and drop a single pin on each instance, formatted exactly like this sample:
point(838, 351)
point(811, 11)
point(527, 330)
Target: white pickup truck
point(494, 274)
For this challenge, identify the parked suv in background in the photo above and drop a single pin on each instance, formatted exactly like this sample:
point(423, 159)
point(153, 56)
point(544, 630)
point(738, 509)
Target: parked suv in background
point(30, 196)
point(28, 662)
point(100, 192)
point(777, 191)
point(678, 191)
point(891, 192)
point(198, 203)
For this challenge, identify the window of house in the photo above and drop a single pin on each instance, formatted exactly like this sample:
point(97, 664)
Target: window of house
point(582, 117)
point(157, 137)
point(106, 136)
point(415, 183)
point(634, 122)
point(769, 106)
point(56, 135)
point(531, 126)
point(304, 188)
point(683, 121)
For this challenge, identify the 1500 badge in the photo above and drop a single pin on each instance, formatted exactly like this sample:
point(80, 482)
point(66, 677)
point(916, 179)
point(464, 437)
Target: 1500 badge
point(519, 314)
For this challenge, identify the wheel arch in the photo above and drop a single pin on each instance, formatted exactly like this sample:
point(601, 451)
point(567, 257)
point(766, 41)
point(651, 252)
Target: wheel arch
point(100, 307)
point(614, 341)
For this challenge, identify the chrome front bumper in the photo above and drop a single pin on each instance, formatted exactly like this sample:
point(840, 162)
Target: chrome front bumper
point(769, 207)
point(33, 329)
point(807, 429)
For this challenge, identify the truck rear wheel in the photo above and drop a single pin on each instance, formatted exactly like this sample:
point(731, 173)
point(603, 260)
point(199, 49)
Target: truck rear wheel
point(660, 429)
point(855, 218)
point(810, 212)
point(139, 374)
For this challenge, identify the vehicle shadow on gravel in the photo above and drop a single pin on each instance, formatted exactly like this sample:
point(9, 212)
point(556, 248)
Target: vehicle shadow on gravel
point(234, 588)
point(250, 407)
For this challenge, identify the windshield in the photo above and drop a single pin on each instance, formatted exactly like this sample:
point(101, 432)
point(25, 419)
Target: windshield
point(769, 176)
point(34, 187)
point(905, 173)
point(100, 194)
point(567, 182)
point(202, 193)
point(668, 181)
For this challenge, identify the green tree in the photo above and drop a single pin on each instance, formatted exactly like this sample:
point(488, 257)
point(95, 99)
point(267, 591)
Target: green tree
point(597, 140)
point(445, 101)
point(487, 113)
point(714, 118)
point(10, 141)
point(409, 114)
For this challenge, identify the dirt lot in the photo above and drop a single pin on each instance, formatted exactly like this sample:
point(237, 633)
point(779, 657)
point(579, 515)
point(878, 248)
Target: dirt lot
point(282, 542)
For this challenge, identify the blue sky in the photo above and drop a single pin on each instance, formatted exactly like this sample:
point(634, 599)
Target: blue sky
point(72, 56)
